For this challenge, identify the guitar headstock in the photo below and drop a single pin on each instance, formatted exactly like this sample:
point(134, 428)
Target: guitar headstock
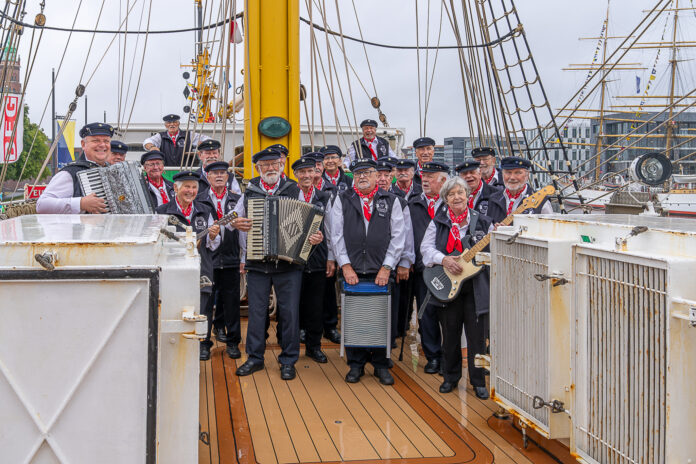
point(227, 218)
point(537, 197)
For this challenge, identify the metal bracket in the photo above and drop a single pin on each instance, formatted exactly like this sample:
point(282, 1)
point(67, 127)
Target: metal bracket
point(689, 315)
point(519, 232)
point(557, 278)
point(190, 326)
point(622, 241)
point(483, 258)
point(47, 259)
point(483, 361)
point(555, 405)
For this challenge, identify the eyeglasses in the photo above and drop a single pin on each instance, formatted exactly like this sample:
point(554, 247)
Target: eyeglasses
point(331, 157)
point(273, 164)
point(366, 173)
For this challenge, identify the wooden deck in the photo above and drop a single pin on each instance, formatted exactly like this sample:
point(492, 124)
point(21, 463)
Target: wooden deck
point(318, 417)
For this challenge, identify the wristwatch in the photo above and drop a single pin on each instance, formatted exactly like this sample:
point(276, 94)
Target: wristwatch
point(387, 267)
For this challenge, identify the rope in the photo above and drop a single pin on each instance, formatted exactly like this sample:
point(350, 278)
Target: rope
point(420, 104)
point(140, 73)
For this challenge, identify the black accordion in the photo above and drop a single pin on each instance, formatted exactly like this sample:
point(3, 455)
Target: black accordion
point(122, 186)
point(280, 229)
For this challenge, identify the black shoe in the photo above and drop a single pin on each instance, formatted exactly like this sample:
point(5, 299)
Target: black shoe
point(303, 335)
point(393, 347)
point(221, 335)
point(384, 376)
point(447, 387)
point(390, 363)
point(353, 376)
point(333, 335)
point(432, 367)
point(481, 393)
point(249, 367)
point(205, 353)
point(317, 355)
point(287, 371)
point(233, 351)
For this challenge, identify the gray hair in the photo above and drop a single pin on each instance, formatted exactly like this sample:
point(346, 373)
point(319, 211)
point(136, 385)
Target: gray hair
point(178, 184)
point(451, 184)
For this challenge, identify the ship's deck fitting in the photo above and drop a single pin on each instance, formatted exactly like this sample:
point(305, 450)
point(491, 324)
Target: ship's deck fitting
point(319, 418)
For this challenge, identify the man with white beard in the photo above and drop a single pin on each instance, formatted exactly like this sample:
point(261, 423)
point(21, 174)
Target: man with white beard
point(516, 187)
point(285, 277)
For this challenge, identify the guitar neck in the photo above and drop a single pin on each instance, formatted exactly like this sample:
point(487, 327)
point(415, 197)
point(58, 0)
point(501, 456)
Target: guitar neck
point(222, 221)
point(483, 243)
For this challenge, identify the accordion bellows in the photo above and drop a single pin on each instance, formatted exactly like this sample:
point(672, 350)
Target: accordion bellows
point(121, 186)
point(280, 229)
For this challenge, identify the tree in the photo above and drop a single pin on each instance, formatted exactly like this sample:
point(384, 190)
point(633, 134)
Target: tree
point(37, 155)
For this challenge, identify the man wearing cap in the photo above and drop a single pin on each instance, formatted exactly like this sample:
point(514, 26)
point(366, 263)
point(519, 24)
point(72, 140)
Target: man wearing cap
point(200, 217)
point(374, 147)
point(118, 152)
point(516, 187)
point(283, 150)
point(173, 142)
point(480, 198)
point(423, 209)
point(320, 265)
point(424, 148)
point(332, 168)
point(489, 173)
point(209, 152)
point(319, 182)
point(404, 185)
point(226, 259)
point(285, 277)
point(160, 189)
point(368, 239)
point(63, 194)
point(385, 177)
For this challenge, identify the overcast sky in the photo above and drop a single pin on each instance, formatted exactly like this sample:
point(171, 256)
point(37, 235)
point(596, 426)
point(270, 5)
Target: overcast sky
point(552, 26)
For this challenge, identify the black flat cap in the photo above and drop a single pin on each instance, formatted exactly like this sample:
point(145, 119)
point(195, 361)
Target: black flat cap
point(280, 148)
point(186, 175)
point(361, 164)
point(209, 144)
point(369, 122)
point(435, 166)
point(171, 118)
point(119, 147)
point(383, 164)
point(151, 155)
point(96, 128)
point(331, 150)
point(405, 164)
point(317, 156)
point(217, 166)
point(423, 142)
point(266, 154)
point(515, 162)
point(469, 164)
point(304, 162)
point(482, 151)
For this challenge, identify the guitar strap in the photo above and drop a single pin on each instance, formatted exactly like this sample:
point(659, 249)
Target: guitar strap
point(473, 222)
point(426, 300)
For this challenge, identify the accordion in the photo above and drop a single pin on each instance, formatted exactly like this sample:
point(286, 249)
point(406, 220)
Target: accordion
point(365, 316)
point(121, 186)
point(280, 229)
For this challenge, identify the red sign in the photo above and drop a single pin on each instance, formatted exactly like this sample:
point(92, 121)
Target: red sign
point(32, 192)
point(9, 121)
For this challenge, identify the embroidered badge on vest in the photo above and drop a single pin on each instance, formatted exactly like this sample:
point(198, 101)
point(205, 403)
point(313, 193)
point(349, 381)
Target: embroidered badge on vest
point(381, 207)
point(200, 223)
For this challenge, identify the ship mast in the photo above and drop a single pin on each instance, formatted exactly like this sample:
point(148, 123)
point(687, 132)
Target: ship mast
point(600, 132)
point(672, 83)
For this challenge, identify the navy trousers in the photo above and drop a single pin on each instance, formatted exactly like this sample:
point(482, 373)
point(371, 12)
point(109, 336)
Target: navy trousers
point(207, 311)
point(287, 287)
point(226, 292)
point(428, 326)
point(311, 307)
point(330, 306)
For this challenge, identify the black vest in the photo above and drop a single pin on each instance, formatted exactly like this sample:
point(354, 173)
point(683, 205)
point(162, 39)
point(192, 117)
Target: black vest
point(73, 168)
point(420, 220)
point(490, 205)
point(320, 253)
point(173, 153)
point(367, 252)
point(497, 181)
point(416, 190)
point(168, 187)
point(227, 254)
point(343, 183)
point(382, 150)
point(481, 282)
point(199, 223)
point(499, 196)
point(287, 188)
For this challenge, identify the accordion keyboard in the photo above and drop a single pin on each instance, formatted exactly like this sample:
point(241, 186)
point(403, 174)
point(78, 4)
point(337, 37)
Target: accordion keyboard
point(91, 182)
point(255, 245)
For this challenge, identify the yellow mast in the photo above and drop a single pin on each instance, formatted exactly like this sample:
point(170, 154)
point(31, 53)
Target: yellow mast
point(271, 75)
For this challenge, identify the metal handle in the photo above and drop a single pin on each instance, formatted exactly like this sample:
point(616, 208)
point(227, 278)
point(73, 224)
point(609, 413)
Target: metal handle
point(184, 327)
point(47, 259)
point(555, 405)
point(557, 278)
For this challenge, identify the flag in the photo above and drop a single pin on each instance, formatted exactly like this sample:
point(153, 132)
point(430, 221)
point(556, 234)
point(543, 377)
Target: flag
point(66, 143)
point(235, 32)
point(637, 84)
point(12, 121)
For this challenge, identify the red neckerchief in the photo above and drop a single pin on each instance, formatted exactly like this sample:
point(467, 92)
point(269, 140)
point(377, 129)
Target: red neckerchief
point(186, 212)
point(513, 198)
point(431, 204)
point(374, 155)
point(321, 183)
point(408, 189)
point(366, 199)
point(472, 195)
point(419, 166)
point(488, 181)
point(333, 179)
point(266, 187)
point(454, 240)
point(160, 187)
point(174, 137)
point(308, 196)
point(219, 201)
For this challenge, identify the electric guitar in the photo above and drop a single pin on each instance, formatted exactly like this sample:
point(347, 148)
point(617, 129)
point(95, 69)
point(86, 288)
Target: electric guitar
point(444, 285)
point(226, 219)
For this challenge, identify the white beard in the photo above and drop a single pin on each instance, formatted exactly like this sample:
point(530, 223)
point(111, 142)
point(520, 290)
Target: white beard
point(270, 179)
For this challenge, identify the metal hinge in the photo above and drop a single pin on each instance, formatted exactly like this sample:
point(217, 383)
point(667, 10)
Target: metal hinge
point(517, 233)
point(191, 325)
point(557, 278)
point(556, 406)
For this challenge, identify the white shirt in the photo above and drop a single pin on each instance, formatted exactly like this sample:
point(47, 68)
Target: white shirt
point(372, 144)
point(156, 139)
point(57, 198)
point(327, 222)
point(408, 257)
point(433, 256)
point(158, 195)
point(396, 244)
